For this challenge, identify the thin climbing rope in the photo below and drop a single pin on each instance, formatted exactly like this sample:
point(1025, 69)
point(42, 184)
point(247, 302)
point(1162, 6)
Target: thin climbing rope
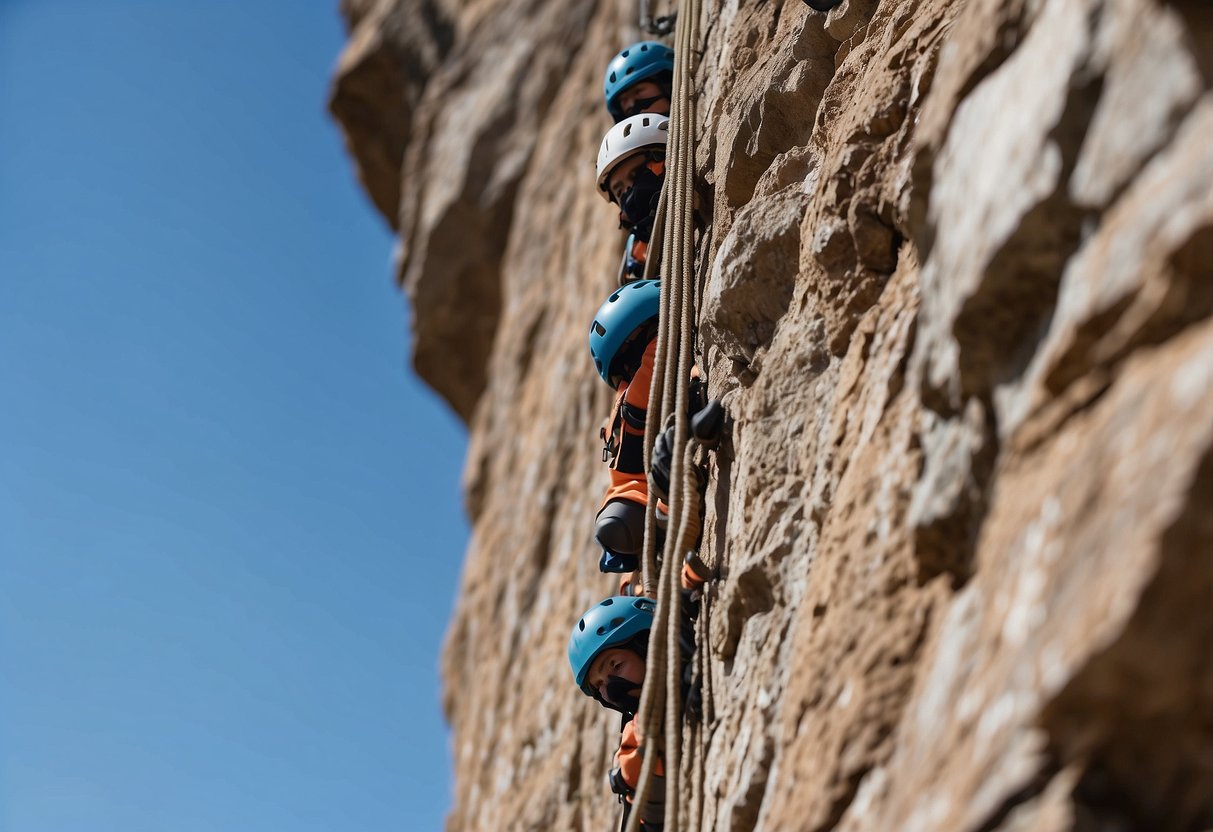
point(660, 717)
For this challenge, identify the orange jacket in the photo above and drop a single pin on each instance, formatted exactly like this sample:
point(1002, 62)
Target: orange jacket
point(630, 756)
point(629, 481)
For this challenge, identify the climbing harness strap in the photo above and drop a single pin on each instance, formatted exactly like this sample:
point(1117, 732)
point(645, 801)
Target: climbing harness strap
point(625, 415)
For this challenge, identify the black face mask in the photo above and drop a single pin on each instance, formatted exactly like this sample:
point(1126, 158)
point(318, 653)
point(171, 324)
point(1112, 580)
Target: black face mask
point(642, 104)
point(619, 693)
point(639, 203)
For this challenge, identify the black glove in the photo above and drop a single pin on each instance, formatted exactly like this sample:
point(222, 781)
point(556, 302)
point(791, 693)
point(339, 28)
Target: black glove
point(692, 696)
point(706, 424)
point(661, 462)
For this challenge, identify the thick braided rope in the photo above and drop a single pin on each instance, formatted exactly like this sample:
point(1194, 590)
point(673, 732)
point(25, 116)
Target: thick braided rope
point(680, 268)
point(652, 699)
point(669, 394)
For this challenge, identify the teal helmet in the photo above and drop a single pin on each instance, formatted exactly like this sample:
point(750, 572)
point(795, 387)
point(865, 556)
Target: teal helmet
point(638, 62)
point(620, 314)
point(610, 623)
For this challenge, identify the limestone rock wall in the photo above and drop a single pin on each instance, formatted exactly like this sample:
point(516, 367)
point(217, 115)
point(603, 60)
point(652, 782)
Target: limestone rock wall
point(956, 281)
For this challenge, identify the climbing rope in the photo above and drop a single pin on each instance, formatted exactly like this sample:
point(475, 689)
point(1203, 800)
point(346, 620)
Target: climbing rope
point(660, 717)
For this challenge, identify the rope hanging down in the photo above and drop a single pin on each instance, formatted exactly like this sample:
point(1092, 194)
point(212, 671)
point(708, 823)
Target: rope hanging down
point(660, 715)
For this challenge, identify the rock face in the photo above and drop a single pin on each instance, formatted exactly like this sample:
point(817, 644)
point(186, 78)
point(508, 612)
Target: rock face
point(957, 293)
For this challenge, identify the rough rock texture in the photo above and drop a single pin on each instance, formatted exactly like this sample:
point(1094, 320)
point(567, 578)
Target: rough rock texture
point(957, 293)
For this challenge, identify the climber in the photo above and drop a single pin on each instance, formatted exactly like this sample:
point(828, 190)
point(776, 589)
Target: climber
point(631, 169)
point(608, 649)
point(608, 654)
point(623, 345)
point(639, 80)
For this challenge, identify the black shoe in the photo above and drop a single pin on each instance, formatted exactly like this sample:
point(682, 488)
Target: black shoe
point(613, 562)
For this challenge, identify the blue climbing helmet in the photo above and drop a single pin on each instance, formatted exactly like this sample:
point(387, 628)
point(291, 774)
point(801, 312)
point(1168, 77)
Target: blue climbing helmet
point(610, 623)
point(624, 309)
point(638, 62)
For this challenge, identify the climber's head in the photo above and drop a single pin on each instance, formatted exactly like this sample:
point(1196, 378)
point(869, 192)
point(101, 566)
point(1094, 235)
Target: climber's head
point(631, 170)
point(622, 328)
point(638, 80)
point(626, 148)
point(607, 651)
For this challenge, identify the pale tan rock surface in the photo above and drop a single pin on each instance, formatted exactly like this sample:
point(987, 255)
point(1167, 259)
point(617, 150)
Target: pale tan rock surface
point(957, 283)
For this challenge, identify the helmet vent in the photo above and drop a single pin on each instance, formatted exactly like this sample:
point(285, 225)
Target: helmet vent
point(581, 625)
point(599, 329)
point(602, 631)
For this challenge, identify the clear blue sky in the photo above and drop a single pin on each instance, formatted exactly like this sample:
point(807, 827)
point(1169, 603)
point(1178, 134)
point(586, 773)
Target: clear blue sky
point(230, 519)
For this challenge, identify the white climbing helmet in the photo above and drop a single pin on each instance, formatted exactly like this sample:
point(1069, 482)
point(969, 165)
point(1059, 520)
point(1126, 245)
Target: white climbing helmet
point(631, 136)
